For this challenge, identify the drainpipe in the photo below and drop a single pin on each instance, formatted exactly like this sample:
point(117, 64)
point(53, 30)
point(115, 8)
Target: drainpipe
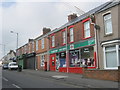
point(47, 53)
point(96, 43)
point(67, 63)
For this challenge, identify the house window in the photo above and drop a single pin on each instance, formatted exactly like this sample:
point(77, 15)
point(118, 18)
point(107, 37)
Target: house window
point(42, 43)
point(42, 60)
point(87, 29)
point(71, 35)
point(29, 47)
point(108, 24)
point(64, 37)
point(36, 45)
point(53, 41)
point(110, 57)
point(33, 46)
point(25, 49)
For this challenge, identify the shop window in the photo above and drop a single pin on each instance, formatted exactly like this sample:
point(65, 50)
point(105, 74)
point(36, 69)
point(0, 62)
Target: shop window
point(87, 56)
point(62, 58)
point(108, 24)
point(87, 29)
point(110, 57)
point(71, 35)
point(74, 58)
point(82, 57)
point(42, 60)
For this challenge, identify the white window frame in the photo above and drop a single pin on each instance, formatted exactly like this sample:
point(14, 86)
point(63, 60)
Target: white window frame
point(43, 43)
point(42, 60)
point(36, 45)
point(87, 30)
point(104, 56)
point(64, 37)
point(71, 34)
point(53, 41)
point(105, 20)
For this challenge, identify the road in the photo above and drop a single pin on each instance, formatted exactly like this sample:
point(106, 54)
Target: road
point(14, 79)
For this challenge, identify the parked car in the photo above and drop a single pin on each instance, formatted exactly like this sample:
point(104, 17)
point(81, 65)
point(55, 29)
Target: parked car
point(5, 66)
point(12, 65)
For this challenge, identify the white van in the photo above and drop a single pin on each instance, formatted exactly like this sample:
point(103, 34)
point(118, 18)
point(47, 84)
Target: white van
point(12, 65)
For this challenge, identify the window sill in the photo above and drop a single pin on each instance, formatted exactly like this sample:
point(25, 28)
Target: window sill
point(71, 42)
point(106, 35)
point(86, 38)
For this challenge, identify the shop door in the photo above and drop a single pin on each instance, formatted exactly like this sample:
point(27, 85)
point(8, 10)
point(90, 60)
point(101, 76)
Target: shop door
point(53, 62)
point(31, 63)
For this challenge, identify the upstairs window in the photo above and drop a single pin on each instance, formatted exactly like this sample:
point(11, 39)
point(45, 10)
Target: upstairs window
point(64, 37)
point(36, 45)
point(42, 41)
point(32, 46)
point(71, 35)
point(53, 41)
point(86, 29)
point(108, 24)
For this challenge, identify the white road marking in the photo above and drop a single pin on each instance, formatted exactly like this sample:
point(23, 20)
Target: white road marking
point(16, 86)
point(59, 77)
point(5, 79)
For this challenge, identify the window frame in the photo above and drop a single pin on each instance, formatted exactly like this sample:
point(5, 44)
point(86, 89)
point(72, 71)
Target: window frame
point(42, 43)
point(104, 22)
point(63, 37)
point(84, 21)
point(53, 41)
point(36, 45)
point(105, 60)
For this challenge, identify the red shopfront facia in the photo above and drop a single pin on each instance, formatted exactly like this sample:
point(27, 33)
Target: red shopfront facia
point(52, 62)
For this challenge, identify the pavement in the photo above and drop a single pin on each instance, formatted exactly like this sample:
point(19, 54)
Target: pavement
point(74, 79)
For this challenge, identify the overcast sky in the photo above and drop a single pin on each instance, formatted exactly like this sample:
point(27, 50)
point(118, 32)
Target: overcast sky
point(28, 17)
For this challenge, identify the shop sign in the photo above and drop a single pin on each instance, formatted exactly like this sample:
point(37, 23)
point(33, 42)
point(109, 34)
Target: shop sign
point(85, 43)
point(73, 46)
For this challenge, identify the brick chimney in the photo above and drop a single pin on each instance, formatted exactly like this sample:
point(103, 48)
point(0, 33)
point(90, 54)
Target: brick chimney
point(46, 30)
point(72, 16)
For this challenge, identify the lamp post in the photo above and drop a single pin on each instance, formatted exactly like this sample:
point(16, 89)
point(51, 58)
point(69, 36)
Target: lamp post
point(17, 38)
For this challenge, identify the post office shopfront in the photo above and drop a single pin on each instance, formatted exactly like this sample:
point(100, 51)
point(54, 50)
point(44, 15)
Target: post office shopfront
point(79, 55)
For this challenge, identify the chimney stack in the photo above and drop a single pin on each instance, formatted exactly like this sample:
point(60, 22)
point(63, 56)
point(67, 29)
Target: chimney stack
point(72, 16)
point(46, 30)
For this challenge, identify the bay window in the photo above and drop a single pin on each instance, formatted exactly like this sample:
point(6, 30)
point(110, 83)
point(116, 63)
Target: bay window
point(110, 56)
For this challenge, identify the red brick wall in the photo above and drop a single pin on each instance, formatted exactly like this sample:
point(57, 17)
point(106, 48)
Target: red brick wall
point(78, 34)
point(101, 74)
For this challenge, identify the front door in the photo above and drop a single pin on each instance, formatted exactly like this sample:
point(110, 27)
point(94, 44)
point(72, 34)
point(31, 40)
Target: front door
point(52, 62)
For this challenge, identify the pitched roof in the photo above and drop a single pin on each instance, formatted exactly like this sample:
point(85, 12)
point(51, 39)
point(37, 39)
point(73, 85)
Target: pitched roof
point(93, 11)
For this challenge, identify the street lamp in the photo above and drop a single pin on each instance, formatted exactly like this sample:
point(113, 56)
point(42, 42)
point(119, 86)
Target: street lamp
point(17, 37)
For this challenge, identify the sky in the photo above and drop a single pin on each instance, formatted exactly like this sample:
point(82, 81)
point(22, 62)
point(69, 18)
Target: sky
point(28, 17)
